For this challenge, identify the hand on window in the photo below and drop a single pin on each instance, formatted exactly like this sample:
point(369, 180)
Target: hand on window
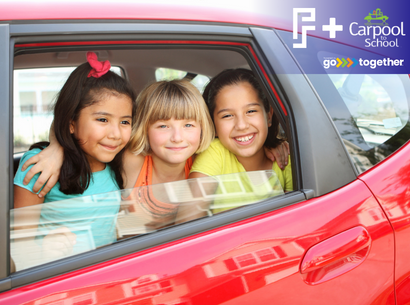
point(280, 154)
point(58, 243)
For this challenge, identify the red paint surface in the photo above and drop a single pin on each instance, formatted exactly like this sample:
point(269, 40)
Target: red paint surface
point(390, 183)
point(255, 260)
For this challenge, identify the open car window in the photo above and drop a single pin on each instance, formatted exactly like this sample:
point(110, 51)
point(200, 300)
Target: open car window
point(43, 233)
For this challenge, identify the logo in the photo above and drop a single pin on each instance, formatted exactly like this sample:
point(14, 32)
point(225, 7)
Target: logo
point(377, 32)
point(337, 62)
point(305, 28)
point(332, 27)
point(376, 17)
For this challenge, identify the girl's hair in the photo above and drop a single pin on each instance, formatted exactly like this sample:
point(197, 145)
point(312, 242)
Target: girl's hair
point(163, 100)
point(79, 92)
point(235, 77)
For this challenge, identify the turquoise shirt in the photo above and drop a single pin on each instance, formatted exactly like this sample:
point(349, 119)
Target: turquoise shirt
point(91, 215)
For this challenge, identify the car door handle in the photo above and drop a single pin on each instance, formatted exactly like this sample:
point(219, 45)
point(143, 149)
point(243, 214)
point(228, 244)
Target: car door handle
point(335, 255)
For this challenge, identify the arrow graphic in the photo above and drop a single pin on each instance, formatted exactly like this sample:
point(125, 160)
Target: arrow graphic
point(350, 62)
point(339, 62)
point(355, 62)
point(344, 62)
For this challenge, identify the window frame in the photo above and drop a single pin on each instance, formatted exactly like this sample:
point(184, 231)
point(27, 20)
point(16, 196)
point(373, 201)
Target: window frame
point(31, 35)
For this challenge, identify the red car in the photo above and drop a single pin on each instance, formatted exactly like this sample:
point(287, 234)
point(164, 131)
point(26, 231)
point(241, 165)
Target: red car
point(339, 238)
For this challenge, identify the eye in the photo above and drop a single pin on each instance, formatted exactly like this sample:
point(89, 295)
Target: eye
point(252, 111)
point(102, 120)
point(226, 116)
point(162, 126)
point(125, 122)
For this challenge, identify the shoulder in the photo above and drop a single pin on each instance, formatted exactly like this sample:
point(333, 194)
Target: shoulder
point(211, 161)
point(19, 177)
point(132, 165)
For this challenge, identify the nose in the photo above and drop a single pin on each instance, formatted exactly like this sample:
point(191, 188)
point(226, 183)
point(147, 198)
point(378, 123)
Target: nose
point(176, 136)
point(114, 132)
point(241, 122)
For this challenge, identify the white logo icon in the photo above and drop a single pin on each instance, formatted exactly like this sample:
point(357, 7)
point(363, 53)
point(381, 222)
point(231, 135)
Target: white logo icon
point(332, 27)
point(305, 28)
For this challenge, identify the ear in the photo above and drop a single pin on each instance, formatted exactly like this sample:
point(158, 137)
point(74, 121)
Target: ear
point(269, 116)
point(72, 127)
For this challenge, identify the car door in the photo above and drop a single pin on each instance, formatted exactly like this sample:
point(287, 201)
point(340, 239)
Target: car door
point(327, 241)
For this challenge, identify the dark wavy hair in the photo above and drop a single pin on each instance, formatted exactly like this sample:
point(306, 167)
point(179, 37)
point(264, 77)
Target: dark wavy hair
point(79, 92)
point(231, 77)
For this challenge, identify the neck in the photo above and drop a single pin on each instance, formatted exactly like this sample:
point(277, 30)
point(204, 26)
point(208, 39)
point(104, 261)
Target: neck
point(165, 172)
point(257, 162)
point(96, 166)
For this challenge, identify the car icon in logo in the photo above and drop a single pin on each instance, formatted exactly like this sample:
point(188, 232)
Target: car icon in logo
point(376, 17)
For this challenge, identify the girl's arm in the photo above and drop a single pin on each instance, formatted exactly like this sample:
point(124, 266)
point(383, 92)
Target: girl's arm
point(48, 162)
point(58, 243)
point(28, 217)
point(279, 154)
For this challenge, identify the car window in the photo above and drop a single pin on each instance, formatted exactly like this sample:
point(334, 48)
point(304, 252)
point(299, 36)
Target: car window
point(370, 111)
point(43, 233)
point(72, 228)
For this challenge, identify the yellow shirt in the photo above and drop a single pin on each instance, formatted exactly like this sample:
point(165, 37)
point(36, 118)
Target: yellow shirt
point(239, 189)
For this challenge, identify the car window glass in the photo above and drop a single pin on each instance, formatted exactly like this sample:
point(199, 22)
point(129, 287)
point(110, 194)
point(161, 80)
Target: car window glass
point(370, 111)
point(35, 91)
point(198, 80)
point(55, 230)
point(377, 115)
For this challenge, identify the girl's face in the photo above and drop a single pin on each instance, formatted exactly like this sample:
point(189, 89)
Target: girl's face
point(174, 141)
point(241, 122)
point(103, 129)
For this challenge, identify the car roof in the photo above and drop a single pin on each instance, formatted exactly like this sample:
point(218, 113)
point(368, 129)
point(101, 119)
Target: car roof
point(260, 13)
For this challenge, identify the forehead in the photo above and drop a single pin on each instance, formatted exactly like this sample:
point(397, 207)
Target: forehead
point(118, 104)
point(237, 95)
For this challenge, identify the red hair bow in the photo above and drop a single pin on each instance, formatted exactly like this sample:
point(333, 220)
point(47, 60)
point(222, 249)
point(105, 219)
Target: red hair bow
point(99, 68)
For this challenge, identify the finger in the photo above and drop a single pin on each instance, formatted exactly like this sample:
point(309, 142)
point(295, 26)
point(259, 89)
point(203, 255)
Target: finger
point(42, 180)
point(269, 154)
point(286, 143)
point(278, 152)
point(30, 174)
point(283, 154)
point(68, 234)
point(72, 238)
point(49, 185)
point(32, 160)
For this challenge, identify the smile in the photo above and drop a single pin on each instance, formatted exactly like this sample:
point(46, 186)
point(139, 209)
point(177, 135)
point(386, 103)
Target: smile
point(109, 147)
point(176, 148)
point(245, 138)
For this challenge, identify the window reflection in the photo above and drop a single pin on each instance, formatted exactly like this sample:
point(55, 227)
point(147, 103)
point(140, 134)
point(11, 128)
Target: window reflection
point(55, 230)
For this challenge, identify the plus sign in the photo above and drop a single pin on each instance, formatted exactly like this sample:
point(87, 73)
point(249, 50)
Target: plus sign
point(332, 27)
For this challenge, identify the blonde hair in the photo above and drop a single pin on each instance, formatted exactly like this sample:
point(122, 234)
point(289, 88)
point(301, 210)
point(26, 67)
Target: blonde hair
point(177, 99)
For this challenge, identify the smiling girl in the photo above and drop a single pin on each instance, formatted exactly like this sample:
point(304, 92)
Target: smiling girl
point(244, 125)
point(92, 123)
